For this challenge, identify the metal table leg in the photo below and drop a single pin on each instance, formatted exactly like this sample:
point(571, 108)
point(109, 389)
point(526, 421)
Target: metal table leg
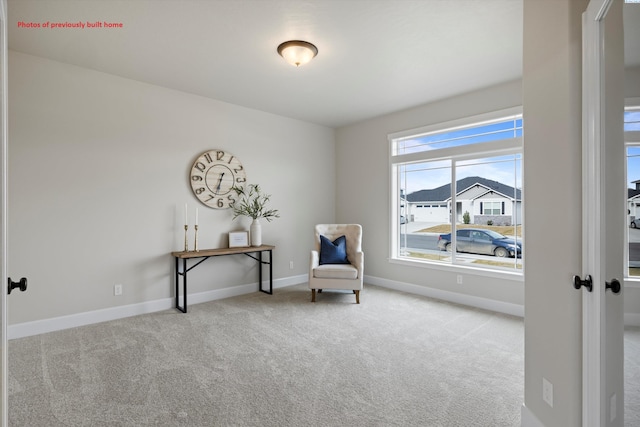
point(260, 263)
point(260, 271)
point(270, 272)
point(184, 285)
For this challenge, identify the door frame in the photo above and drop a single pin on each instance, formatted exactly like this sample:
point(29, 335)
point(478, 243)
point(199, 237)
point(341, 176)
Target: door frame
point(597, 406)
point(4, 370)
point(592, 306)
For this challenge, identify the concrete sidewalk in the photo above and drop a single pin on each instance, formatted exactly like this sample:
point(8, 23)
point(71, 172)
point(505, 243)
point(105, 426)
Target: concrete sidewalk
point(415, 227)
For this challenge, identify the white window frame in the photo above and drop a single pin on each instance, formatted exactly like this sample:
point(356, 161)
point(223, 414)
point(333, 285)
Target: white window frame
point(465, 152)
point(492, 209)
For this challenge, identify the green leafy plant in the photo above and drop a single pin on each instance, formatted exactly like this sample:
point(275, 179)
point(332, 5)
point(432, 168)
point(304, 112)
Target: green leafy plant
point(466, 218)
point(252, 203)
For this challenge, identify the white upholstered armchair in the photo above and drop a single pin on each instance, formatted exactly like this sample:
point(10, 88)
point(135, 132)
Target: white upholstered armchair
point(329, 267)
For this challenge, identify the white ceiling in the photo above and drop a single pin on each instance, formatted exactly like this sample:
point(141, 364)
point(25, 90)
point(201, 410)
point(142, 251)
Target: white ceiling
point(375, 56)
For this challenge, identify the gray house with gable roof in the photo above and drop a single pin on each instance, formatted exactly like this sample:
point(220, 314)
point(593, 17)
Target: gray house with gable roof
point(633, 201)
point(484, 199)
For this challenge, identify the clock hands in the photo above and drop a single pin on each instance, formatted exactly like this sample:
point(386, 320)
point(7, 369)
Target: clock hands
point(219, 183)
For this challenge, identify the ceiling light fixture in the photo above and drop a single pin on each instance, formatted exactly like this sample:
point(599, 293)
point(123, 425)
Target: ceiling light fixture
point(297, 52)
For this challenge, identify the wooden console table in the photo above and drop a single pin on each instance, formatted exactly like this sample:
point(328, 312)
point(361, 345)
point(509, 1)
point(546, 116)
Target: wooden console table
point(208, 253)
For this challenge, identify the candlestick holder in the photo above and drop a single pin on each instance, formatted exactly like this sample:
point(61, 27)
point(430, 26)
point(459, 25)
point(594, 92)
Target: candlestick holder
point(195, 243)
point(186, 241)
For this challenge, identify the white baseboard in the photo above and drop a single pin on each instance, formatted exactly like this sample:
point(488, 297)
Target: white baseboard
point(632, 319)
point(37, 327)
point(527, 419)
point(473, 301)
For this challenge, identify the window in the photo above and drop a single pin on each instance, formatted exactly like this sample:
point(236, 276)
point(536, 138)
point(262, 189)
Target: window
point(632, 141)
point(492, 208)
point(632, 119)
point(458, 185)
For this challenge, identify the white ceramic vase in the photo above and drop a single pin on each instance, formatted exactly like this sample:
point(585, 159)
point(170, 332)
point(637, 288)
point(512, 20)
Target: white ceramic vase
point(256, 233)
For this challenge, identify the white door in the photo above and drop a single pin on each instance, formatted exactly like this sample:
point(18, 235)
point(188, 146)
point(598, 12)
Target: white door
point(604, 213)
point(3, 214)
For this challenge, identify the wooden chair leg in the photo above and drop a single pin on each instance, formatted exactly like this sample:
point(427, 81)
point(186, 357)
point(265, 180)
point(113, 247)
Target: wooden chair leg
point(313, 295)
point(357, 296)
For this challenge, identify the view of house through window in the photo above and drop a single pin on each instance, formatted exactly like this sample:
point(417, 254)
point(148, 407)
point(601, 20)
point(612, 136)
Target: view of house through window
point(457, 195)
point(632, 140)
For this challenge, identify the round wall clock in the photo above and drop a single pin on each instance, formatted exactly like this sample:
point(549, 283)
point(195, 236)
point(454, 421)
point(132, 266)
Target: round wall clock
point(212, 176)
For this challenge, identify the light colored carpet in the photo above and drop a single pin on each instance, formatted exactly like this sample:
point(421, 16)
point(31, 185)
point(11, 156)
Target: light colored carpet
point(632, 376)
point(258, 360)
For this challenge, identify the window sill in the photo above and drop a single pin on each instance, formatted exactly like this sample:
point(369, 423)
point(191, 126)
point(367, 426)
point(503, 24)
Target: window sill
point(632, 282)
point(486, 272)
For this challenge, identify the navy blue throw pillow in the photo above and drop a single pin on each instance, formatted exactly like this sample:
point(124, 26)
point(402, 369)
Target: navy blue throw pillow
point(333, 252)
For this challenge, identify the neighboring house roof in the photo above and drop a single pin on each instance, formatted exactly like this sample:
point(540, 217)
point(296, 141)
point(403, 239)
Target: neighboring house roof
point(632, 193)
point(443, 193)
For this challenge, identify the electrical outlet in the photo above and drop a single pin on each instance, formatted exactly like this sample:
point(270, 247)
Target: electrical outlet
point(547, 392)
point(117, 290)
point(290, 265)
point(459, 279)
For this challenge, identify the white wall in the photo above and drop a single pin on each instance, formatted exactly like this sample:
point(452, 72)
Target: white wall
point(632, 82)
point(552, 109)
point(364, 187)
point(98, 179)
